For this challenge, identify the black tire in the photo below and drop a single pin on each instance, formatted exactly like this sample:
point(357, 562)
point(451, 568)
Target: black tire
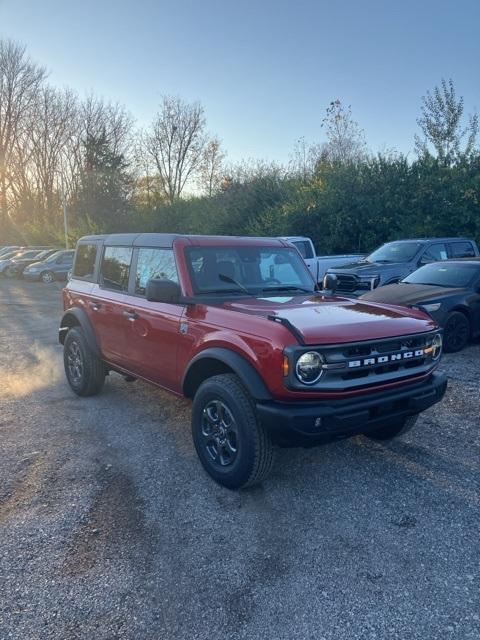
point(456, 332)
point(397, 428)
point(222, 408)
point(85, 372)
point(10, 272)
point(47, 277)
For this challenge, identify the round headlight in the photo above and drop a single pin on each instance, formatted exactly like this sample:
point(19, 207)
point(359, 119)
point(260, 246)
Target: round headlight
point(437, 346)
point(309, 367)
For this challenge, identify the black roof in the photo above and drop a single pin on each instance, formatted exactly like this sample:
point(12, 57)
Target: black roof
point(165, 240)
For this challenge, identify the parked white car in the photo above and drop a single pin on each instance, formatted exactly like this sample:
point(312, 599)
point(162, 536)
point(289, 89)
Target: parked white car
point(318, 265)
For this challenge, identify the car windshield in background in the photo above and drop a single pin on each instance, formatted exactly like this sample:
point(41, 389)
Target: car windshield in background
point(9, 255)
point(26, 255)
point(445, 275)
point(395, 252)
point(248, 271)
point(42, 254)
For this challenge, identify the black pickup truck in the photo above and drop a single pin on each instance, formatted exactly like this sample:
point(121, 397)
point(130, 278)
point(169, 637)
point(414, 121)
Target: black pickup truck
point(394, 261)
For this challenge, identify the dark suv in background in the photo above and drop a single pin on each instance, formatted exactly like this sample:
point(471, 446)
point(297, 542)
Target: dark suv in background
point(394, 261)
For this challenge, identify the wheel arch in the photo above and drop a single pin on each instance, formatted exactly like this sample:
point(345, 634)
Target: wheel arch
point(217, 360)
point(75, 317)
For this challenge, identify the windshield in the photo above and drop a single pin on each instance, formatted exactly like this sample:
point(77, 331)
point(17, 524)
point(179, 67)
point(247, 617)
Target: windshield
point(248, 270)
point(43, 254)
point(395, 252)
point(28, 254)
point(10, 254)
point(445, 274)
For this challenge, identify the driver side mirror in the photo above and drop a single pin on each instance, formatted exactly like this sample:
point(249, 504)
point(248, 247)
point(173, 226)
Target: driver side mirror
point(330, 281)
point(161, 290)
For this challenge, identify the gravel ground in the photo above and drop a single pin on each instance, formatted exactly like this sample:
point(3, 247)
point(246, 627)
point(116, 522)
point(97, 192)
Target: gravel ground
point(109, 528)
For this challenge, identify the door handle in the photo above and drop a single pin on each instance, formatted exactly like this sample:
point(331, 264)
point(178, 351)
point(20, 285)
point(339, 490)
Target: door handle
point(131, 315)
point(95, 306)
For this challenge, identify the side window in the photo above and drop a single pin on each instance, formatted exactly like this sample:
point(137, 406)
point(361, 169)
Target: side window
point(462, 250)
point(434, 252)
point(85, 261)
point(154, 263)
point(305, 249)
point(115, 268)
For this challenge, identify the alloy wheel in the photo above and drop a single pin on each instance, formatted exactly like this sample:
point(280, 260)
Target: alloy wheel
point(75, 362)
point(220, 433)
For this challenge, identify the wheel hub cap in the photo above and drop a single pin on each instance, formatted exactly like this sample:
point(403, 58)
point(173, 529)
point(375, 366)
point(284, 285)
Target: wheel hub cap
point(220, 433)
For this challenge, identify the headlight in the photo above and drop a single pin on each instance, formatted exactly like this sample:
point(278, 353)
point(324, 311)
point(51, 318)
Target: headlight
point(309, 367)
point(369, 282)
point(437, 346)
point(431, 307)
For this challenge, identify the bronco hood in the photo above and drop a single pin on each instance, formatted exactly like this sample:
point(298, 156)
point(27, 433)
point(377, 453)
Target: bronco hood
point(325, 320)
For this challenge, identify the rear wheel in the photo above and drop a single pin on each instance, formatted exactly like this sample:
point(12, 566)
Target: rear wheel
point(85, 372)
point(47, 277)
point(456, 332)
point(393, 430)
point(231, 443)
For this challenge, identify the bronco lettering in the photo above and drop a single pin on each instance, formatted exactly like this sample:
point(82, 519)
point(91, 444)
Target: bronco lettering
point(392, 357)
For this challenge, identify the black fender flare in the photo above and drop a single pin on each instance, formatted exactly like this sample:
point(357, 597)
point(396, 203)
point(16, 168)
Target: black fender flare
point(74, 317)
point(247, 373)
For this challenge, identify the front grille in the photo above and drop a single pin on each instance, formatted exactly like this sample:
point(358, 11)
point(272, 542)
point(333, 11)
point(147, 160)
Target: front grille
point(339, 376)
point(346, 283)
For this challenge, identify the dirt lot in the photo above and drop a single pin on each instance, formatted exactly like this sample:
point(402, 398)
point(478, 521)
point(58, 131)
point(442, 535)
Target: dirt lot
point(109, 528)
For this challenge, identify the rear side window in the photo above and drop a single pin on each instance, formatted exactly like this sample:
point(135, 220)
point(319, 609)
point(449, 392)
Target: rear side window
point(115, 268)
point(462, 250)
point(154, 263)
point(85, 261)
point(305, 249)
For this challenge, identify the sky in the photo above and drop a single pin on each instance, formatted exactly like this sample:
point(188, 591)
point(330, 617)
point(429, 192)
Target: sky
point(264, 70)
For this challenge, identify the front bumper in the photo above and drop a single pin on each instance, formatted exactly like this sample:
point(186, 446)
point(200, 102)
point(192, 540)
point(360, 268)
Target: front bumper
point(311, 423)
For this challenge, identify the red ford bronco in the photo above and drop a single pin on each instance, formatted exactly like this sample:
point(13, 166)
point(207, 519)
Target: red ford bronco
point(238, 325)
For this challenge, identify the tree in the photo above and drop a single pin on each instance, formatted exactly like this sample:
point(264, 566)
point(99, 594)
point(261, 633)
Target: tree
point(304, 159)
point(105, 185)
point(176, 142)
point(51, 128)
point(212, 169)
point(20, 79)
point(442, 125)
point(345, 138)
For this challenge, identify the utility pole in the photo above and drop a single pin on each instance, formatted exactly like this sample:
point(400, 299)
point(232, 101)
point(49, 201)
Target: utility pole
point(64, 203)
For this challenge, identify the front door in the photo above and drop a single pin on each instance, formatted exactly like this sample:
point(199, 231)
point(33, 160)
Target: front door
point(154, 328)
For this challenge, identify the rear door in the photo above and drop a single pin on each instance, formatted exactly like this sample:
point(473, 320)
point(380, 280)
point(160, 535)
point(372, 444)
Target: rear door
point(153, 328)
point(107, 302)
point(63, 263)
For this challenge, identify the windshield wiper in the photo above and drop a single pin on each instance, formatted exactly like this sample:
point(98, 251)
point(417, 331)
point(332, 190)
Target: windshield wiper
point(288, 288)
point(229, 291)
point(230, 280)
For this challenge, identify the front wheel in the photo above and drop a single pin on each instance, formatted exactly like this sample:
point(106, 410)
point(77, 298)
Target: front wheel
point(456, 332)
point(10, 272)
point(85, 372)
point(393, 430)
point(47, 277)
point(233, 447)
